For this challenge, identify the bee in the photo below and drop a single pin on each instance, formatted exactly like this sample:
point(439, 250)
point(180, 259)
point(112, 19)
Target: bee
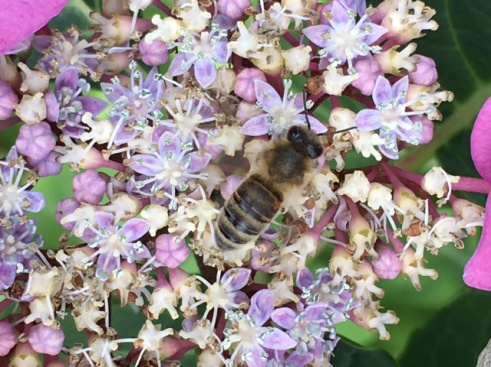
point(288, 164)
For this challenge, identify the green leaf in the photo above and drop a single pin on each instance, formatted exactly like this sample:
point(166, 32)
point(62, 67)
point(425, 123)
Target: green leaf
point(454, 337)
point(458, 48)
point(75, 13)
point(348, 355)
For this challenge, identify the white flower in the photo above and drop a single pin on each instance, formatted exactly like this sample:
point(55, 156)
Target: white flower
point(356, 186)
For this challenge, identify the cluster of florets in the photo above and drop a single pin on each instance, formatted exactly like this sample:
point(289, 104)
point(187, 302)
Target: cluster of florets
point(177, 140)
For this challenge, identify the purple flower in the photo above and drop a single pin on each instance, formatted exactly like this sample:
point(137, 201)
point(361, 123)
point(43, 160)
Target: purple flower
point(390, 117)
point(250, 337)
point(343, 39)
point(18, 244)
point(66, 51)
point(66, 105)
point(14, 196)
point(281, 113)
point(169, 168)
point(134, 105)
point(202, 52)
point(116, 241)
point(477, 272)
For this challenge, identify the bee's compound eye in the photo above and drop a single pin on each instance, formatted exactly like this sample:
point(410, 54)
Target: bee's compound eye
point(294, 134)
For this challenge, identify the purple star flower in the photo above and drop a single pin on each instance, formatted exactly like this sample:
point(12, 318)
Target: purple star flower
point(18, 244)
point(134, 105)
point(14, 196)
point(202, 52)
point(391, 116)
point(344, 39)
point(170, 167)
point(116, 241)
point(66, 104)
point(281, 113)
point(248, 335)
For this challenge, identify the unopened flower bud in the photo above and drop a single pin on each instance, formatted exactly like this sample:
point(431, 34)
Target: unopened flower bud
point(244, 87)
point(89, 186)
point(46, 339)
point(388, 265)
point(35, 141)
point(233, 9)
point(368, 71)
point(10, 73)
point(170, 250)
point(8, 100)
point(438, 182)
point(8, 338)
point(154, 53)
point(425, 73)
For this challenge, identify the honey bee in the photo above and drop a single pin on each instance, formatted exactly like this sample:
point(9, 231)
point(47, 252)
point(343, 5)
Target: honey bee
point(286, 166)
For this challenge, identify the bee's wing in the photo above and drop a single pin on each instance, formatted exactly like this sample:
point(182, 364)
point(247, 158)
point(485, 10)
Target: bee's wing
point(484, 359)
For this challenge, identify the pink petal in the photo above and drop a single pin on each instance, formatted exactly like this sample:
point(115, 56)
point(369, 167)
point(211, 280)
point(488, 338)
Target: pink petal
point(266, 95)
point(382, 92)
point(235, 278)
point(198, 161)
point(316, 34)
point(277, 339)
point(134, 229)
point(256, 126)
point(481, 141)
point(284, 317)
point(205, 72)
point(262, 304)
point(20, 19)
point(477, 272)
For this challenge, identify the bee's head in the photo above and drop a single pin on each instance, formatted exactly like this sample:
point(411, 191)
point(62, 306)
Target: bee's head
point(305, 141)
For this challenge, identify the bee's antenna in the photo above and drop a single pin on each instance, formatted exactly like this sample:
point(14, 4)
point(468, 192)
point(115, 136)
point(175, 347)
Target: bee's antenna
point(342, 130)
point(305, 107)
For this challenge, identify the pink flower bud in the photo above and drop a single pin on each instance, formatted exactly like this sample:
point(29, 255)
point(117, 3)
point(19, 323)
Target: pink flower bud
point(233, 8)
point(7, 100)
point(388, 265)
point(426, 73)
point(170, 252)
point(8, 338)
point(154, 53)
point(35, 141)
point(244, 87)
point(368, 71)
point(89, 186)
point(46, 339)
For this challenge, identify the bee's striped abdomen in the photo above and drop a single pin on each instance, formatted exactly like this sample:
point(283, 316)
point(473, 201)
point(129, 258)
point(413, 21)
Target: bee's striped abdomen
point(247, 213)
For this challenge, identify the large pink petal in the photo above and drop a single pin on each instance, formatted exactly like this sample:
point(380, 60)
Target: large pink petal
point(481, 141)
point(21, 18)
point(477, 272)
